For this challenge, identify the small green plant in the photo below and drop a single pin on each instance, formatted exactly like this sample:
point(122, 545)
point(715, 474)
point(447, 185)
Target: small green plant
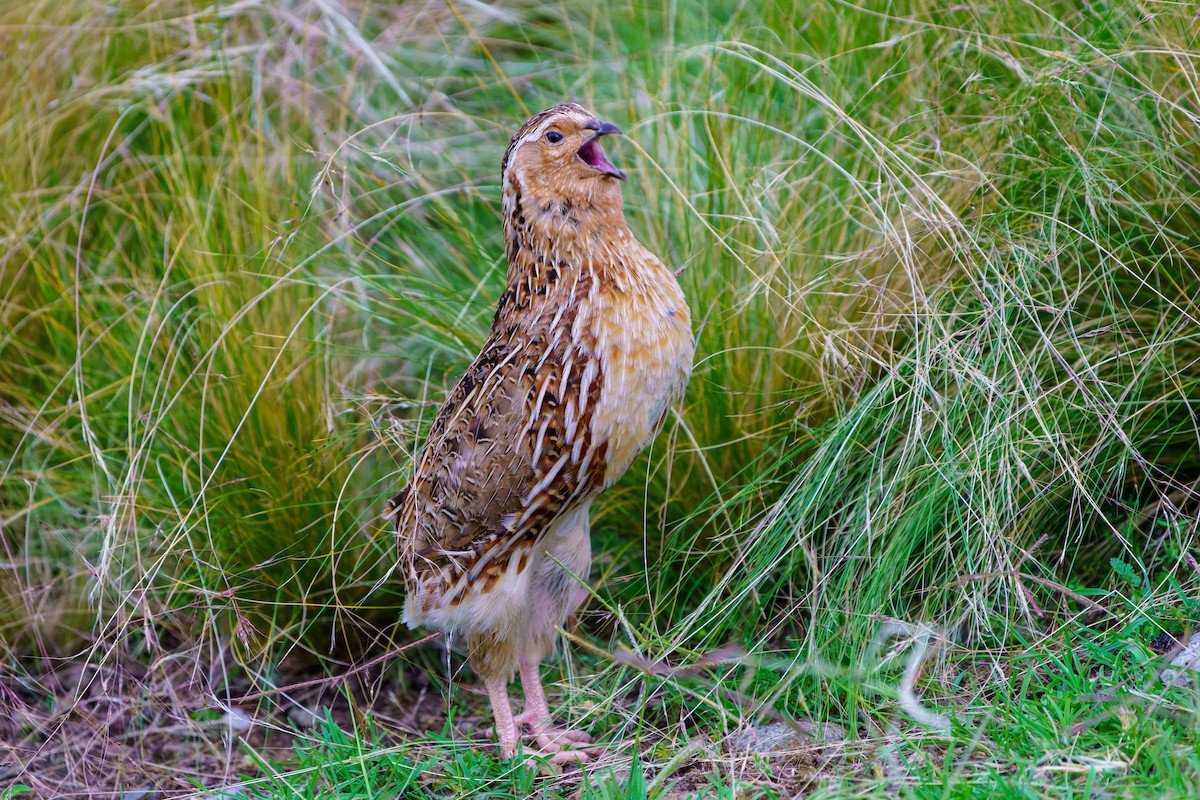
point(333, 763)
point(609, 787)
point(1126, 572)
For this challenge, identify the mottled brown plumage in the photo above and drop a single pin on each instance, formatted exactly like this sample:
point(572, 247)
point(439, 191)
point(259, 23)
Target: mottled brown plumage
point(590, 346)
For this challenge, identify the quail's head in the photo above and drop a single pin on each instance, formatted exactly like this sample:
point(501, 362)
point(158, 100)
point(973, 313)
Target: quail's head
point(557, 158)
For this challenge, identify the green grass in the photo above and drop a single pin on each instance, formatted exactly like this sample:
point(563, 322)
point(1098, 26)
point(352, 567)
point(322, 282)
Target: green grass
point(944, 269)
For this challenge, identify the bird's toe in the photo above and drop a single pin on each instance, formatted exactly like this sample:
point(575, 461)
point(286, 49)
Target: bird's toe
point(562, 757)
point(572, 757)
point(559, 740)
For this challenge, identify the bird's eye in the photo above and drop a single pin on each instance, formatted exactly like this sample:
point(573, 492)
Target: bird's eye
point(554, 137)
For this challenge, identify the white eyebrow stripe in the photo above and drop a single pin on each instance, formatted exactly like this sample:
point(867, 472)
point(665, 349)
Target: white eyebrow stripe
point(540, 130)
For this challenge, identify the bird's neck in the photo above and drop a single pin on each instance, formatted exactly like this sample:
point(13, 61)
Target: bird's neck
point(546, 239)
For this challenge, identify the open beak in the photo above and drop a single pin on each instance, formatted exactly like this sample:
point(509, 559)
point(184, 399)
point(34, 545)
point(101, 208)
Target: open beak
point(592, 154)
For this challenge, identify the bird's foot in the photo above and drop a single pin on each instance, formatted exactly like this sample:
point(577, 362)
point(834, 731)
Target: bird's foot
point(558, 751)
point(551, 736)
point(558, 745)
point(548, 735)
point(564, 746)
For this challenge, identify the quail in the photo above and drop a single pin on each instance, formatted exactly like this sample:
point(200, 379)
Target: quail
point(590, 347)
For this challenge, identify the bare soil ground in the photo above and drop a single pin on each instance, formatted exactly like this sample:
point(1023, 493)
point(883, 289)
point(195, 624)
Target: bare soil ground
point(129, 728)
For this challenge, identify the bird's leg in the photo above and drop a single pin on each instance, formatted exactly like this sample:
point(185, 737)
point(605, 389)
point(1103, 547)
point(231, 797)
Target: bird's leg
point(536, 715)
point(506, 727)
point(537, 710)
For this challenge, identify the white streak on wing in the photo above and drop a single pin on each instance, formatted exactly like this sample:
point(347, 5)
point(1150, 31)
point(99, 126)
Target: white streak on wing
point(554, 323)
point(537, 445)
point(585, 384)
point(541, 397)
point(551, 347)
point(570, 421)
point(566, 369)
point(577, 457)
point(546, 480)
point(536, 410)
point(463, 405)
point(496, 370)
point(570, 410)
